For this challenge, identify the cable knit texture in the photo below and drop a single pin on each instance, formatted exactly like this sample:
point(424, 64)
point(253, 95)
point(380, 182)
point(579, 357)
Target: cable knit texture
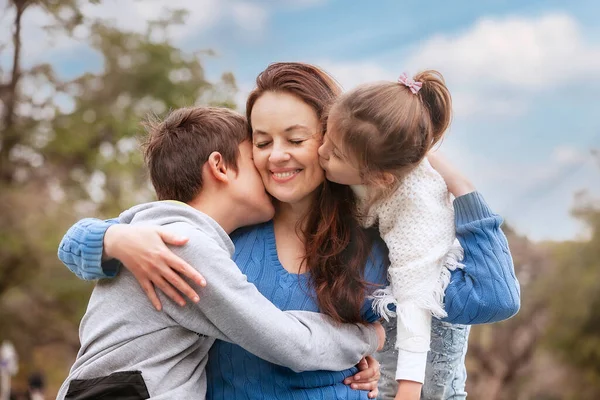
point(484, 291)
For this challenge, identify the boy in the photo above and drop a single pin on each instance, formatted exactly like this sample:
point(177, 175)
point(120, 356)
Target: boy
point(200, 164)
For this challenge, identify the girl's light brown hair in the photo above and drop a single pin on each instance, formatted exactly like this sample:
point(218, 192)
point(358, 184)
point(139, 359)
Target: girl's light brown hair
point(337, 248)
point(386, 128)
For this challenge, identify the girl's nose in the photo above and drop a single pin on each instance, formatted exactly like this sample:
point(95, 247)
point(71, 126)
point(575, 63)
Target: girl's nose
point(323, 150)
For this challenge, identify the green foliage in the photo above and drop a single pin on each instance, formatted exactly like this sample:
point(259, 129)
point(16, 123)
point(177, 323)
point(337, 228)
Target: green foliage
point(575, 301)
point(62, 160)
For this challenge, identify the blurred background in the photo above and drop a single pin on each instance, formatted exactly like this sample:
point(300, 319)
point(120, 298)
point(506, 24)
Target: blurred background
point(76, 77)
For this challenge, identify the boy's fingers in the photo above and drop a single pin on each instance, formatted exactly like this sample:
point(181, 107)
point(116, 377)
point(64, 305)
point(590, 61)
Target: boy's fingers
point(171, 238)
point(181, 285)
point(168, 290)
point(186, 270)
point(151, 293)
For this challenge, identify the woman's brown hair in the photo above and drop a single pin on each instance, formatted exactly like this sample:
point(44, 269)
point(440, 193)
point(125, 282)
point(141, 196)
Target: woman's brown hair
point(387, 128)
point(337, 248)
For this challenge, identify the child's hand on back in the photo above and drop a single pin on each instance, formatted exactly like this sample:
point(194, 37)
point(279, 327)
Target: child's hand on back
point(143, 251)
point(457, 183)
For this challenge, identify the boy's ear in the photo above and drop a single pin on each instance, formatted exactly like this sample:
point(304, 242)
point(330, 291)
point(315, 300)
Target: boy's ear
point(217, 167)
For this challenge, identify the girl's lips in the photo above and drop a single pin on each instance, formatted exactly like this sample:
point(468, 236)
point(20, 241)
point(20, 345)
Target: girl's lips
point(284, 176)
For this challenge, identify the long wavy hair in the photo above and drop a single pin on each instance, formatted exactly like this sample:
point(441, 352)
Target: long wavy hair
point(337, 248)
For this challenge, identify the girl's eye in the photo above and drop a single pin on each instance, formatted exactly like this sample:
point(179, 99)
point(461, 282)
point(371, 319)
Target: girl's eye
point(261, 144)
point(296, 142)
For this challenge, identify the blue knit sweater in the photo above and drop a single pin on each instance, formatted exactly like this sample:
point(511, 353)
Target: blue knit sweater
point(485, 290)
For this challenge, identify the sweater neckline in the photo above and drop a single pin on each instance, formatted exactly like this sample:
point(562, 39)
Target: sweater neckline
point(274, 257)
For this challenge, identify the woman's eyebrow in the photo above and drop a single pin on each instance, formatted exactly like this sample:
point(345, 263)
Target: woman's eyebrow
point(259, 132)
point(297, 127)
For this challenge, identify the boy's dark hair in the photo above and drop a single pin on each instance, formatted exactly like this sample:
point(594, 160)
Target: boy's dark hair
point(176, 149)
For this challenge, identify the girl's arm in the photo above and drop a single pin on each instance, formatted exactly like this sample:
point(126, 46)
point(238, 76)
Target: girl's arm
point(486, 290)
point(94, 249)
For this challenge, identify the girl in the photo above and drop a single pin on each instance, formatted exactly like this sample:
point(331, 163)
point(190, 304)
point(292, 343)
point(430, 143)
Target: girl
point(377, 138)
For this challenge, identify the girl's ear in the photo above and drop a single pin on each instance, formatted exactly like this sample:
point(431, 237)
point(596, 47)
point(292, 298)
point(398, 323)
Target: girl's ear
point(385, 179)
point(217, 167)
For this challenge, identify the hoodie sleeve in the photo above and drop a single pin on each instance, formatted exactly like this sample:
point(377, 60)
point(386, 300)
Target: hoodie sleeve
point(232, 309)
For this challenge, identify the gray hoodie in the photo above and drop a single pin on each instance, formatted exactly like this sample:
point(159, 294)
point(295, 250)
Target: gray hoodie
point(121, 331)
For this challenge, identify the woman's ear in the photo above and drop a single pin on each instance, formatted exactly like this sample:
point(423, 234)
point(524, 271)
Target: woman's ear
point(217, 167)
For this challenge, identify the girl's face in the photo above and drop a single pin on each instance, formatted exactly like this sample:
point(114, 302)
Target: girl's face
point(339, 167)
point(286, 135)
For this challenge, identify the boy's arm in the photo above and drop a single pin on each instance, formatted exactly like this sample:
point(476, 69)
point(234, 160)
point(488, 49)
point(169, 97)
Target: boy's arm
point(94, 249)
point(233, 309)
point(486, 289)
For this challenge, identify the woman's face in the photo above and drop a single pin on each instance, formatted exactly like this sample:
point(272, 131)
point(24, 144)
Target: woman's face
point(286, 134)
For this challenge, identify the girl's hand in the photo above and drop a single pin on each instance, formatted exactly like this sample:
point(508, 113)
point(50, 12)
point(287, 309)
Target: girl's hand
point(143, 251)
point(408, 390)
point(367, 377)
point(457, 183)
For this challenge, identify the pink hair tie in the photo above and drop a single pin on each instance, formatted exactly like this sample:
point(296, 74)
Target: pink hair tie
point(410, 83)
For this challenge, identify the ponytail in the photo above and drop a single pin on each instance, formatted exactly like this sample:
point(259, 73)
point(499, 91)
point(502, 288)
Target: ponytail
point(436, 98)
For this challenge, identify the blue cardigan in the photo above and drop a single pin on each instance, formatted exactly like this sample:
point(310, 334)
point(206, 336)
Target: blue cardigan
point(486, 290)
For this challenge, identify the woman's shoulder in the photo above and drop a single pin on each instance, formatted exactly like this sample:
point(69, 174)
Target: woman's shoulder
point(251, 232)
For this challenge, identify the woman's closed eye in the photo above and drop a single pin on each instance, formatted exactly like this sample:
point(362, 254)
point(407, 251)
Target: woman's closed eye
point(260, 145)
point(297, 141)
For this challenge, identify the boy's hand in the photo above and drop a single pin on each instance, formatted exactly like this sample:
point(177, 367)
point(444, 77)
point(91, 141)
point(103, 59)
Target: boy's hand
point(143, 251)
point(367, 377)
point(408, 390)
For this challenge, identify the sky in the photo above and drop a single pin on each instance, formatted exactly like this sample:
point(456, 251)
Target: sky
point(523, 76)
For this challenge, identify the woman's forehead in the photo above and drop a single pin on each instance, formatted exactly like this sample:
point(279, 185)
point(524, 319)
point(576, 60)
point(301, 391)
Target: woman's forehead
point(282, 112)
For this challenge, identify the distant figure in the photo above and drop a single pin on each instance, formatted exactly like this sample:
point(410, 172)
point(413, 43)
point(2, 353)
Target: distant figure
point(36, 386)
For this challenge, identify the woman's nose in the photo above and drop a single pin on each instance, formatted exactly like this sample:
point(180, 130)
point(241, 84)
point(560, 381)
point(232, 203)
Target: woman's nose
point(279, 154)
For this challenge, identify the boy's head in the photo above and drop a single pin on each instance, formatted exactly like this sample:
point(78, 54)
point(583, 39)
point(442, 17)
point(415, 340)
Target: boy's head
point(178, 149)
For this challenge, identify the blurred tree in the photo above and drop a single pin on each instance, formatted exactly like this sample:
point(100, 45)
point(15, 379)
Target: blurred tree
point(575, 319)
point(73, 152)
point(500, 355)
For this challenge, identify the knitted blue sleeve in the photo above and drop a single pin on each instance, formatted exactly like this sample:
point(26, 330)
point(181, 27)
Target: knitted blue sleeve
point(81, 249)
point(486, 290)
point(376, 275)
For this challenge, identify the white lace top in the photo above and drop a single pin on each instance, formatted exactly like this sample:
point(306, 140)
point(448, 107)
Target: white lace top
point(417, 224)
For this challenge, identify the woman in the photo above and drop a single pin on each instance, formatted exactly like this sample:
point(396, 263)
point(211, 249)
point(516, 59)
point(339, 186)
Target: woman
point(313, 255)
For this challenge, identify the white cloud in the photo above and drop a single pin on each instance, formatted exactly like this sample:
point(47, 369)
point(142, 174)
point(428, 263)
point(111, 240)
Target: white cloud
point(496, 66)
point(250, 17)
point(520, 52)
point(568, 155)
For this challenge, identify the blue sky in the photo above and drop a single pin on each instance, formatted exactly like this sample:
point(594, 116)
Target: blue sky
point(524, 76)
